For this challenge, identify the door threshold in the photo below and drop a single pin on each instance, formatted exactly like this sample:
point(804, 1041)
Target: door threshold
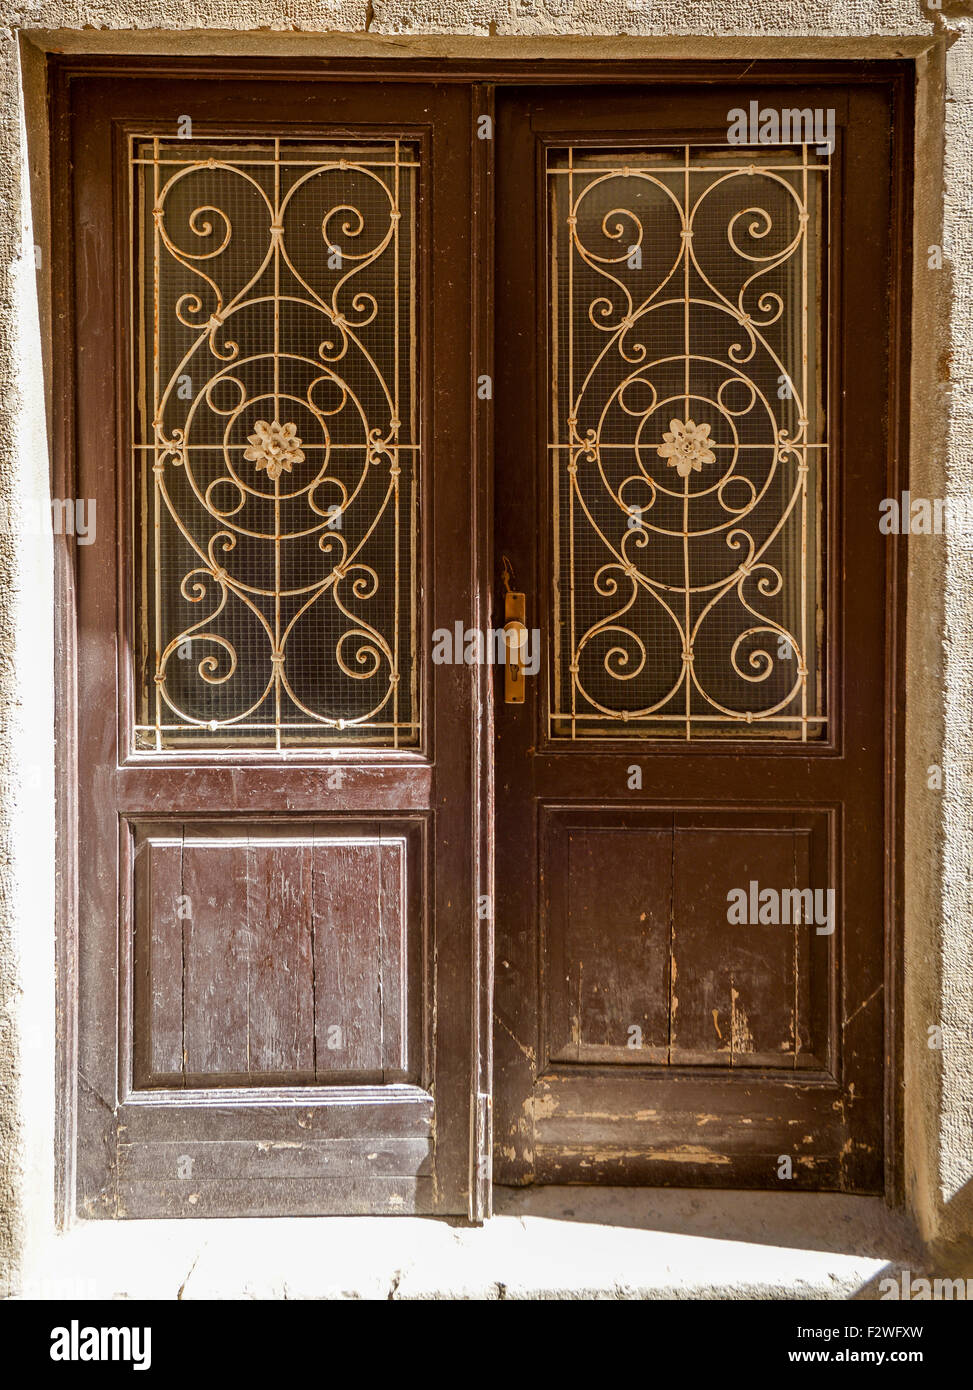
point(543, 1243)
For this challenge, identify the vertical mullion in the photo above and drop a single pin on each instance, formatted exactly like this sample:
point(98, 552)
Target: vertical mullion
point(156, 431)
point(573, 455)
point(553, 416)
point(395, 450)
point(417, 462)
point(803, 425)
point(278, 655)
point(687, 639)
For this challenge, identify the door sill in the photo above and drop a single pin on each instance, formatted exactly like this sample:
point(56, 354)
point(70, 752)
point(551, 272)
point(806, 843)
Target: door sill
point(549, 1243)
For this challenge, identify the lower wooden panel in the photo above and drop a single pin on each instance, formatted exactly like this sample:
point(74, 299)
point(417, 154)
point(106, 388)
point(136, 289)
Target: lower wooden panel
point(689, 1030)
point(651, 953)
point(609, 944)
point(275, 954)
point(334, 1196)
point(681, 1131)
point(274, 1050)
point(369, 1149)
point(741, 992)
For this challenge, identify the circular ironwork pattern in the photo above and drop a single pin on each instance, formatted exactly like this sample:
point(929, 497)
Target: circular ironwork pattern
point(685, 387)
point(281, 291)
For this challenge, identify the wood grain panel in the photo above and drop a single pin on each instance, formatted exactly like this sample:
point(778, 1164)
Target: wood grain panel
point(159, 958)
point(341, 1194)
point(642, 965)
point(665, 1128)
point(609, 946)
point(393, 911)
point(272, 955)
point(347, 927)
point(735, 987)
point(280, 975)
point(216, 993)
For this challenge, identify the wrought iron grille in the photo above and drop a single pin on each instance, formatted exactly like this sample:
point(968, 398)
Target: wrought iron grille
point(688, 448)
point(277, 443)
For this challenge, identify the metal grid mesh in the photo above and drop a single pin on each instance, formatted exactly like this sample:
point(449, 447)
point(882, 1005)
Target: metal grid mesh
point(688, 446)
point(276, 451)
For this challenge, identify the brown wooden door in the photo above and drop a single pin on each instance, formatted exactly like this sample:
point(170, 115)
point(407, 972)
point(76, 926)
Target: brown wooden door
point(693, 422)
point(268, 296)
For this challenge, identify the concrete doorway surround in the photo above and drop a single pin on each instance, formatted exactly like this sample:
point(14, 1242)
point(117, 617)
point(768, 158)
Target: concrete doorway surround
point(648, 1244)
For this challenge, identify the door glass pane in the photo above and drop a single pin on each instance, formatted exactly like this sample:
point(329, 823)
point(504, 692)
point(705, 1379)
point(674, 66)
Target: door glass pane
point(276, 443)
point(687, 441)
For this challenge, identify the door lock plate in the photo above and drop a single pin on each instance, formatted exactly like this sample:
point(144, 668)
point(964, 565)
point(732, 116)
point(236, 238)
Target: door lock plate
point(515, 635)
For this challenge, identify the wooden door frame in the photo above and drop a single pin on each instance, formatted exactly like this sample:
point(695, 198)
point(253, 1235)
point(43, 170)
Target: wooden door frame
point(483, 76)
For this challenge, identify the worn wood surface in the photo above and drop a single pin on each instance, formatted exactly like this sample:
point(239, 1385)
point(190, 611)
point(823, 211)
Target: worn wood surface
point(777, 1042)
point(212, 1028)
point(608, 953)
point(268, 954)
point(646, 971)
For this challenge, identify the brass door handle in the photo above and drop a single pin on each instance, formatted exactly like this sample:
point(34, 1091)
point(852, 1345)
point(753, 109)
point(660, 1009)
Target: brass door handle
point(515, 637)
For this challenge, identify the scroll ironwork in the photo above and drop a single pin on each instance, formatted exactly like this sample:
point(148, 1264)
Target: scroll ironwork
point(688, 448)
point(276, 449)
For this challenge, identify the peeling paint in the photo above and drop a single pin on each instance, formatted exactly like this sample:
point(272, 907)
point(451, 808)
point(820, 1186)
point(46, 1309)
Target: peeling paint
point(741, 1038)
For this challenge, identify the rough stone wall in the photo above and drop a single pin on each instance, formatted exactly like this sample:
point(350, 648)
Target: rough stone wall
point(939, 930)
point(658, 18)
point(955, 1168)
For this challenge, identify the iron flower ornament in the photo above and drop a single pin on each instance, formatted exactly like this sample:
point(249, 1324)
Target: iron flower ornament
point(686, 447)
point(275, 447)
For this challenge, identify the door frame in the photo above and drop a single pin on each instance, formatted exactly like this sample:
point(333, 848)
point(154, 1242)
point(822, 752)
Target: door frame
point(483, 76)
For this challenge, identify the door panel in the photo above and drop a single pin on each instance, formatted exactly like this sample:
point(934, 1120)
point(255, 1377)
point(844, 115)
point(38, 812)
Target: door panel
point(608, 955)
point(691, 802)
point(268, 955)
point(640, 967)
point(743, 1000)
point(271, 383)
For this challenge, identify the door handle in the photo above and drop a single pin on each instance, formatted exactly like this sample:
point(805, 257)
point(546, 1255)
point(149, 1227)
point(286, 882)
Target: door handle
point(515, 639)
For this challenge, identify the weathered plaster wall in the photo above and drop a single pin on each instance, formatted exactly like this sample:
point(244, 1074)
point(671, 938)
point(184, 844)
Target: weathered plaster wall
point(955, 1170)
point(939, 871)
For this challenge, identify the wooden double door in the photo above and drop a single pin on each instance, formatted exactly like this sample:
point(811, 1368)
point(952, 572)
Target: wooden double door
point(308, 338)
